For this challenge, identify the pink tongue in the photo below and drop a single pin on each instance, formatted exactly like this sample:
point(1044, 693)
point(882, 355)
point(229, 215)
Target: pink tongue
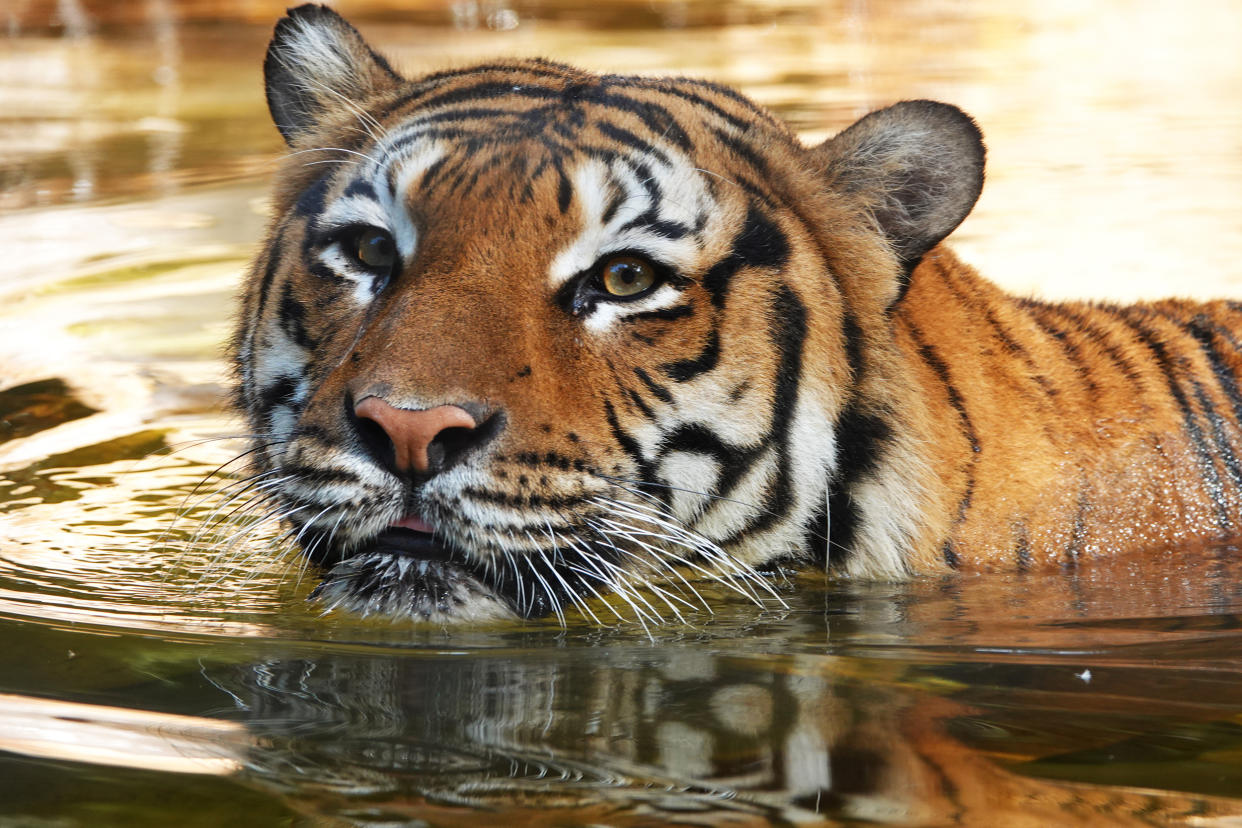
point(414, 524)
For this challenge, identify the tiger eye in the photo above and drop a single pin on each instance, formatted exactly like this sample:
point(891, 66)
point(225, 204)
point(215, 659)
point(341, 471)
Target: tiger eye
point(376, 249)
point(627, 276)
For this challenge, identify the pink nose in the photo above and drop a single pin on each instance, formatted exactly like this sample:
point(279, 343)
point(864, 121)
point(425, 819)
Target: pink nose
point(412, 433)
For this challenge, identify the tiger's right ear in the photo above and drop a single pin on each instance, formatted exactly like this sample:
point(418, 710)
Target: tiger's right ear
point(917, 167)
point(318, 66)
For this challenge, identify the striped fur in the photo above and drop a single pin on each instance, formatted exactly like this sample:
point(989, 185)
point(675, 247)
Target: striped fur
point(812, 380)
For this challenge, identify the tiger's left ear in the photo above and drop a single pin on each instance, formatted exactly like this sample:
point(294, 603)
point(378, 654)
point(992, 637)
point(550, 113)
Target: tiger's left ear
point(319, 67)
point(918, 168)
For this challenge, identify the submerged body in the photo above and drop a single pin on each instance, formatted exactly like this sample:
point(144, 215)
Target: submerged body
point(524, 337)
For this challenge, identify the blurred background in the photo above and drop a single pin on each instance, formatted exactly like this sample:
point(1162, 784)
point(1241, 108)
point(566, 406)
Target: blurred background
point(1114, 126)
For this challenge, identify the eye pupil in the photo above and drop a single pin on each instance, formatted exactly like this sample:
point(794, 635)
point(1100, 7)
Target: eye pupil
point(627, 276)
point(376, 249)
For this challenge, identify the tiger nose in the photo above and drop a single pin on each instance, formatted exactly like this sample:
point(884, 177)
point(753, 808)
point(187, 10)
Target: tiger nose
point(423, 441)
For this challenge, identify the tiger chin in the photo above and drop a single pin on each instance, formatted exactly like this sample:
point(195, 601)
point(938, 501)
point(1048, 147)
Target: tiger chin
point(525, 339)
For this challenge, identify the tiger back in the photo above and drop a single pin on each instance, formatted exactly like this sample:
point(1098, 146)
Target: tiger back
point(525, 338)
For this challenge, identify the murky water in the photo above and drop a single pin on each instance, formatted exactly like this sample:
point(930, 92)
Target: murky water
point(142, 684)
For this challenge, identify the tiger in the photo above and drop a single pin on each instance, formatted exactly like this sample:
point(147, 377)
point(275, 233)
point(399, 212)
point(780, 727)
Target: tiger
point(525, 340)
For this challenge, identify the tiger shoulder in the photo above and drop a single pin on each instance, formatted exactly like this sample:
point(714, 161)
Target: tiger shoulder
point(554, 335)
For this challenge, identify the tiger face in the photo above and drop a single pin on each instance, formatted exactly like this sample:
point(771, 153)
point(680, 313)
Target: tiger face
point(523, 337)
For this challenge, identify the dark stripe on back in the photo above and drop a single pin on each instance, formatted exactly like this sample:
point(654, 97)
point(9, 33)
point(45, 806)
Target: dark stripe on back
point(980, 305)
point(1135, 319)
point(1038, 313)
point(1083, 325)
point(1206, 332)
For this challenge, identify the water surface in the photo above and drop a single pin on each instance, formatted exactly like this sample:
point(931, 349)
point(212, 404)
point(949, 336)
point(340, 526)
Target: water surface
point(144, 680)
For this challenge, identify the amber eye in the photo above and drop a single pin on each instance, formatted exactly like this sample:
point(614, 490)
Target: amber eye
point(627, 276)
point(376, 250)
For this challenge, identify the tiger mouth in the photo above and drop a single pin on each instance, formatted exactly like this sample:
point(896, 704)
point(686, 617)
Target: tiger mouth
point(410, 570)
point(409, 543)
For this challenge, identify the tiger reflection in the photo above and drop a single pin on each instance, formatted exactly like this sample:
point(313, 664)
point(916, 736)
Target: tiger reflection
point(636, 736)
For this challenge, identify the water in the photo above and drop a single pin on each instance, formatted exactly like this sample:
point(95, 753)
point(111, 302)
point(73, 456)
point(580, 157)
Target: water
point(143, 685)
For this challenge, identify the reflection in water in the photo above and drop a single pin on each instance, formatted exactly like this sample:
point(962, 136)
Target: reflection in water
point(679, 733)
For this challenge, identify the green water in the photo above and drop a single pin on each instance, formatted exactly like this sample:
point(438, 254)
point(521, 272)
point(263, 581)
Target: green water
point(148, 680)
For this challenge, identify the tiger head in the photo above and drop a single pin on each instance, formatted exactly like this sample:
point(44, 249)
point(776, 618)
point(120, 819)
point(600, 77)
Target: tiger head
point(524, 336)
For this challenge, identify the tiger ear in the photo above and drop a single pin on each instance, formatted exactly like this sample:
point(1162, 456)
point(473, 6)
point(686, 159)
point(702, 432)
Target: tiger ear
point(317, 66)
point(918, 168)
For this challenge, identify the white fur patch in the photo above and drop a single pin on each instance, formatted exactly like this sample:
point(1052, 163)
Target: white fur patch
point(606, 313)
point(410, 164)
point(689, 473)
point(354, 210)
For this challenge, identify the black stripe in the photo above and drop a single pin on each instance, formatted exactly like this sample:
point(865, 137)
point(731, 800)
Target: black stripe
point(665, 314)
point(1100, 337)
point(539, 67)
point(316, 474)
point(280, 392)
point(321, 271)
point(433, 172)
point(695, 438)
point(310, 202)
point(1220, 428)
point(788, 331)
point(1134, 318)
point(359, 187)
point(628, 445)
point(861, 439)
point(1034, 371)
point(760, 244)
point(629, 139)
point(744, 150)
point(1078, 535)
point(683, 370)
point(521, 500)
point(486, 90)
point(949, 553)
point(816, 533)
point(1205, 331)
point(293, 318)
point(738, 123)
point(659, 391)
point(1038, 313)
point(640, 403)
point(269, 275)
point(932, 359)
point(656, 118)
